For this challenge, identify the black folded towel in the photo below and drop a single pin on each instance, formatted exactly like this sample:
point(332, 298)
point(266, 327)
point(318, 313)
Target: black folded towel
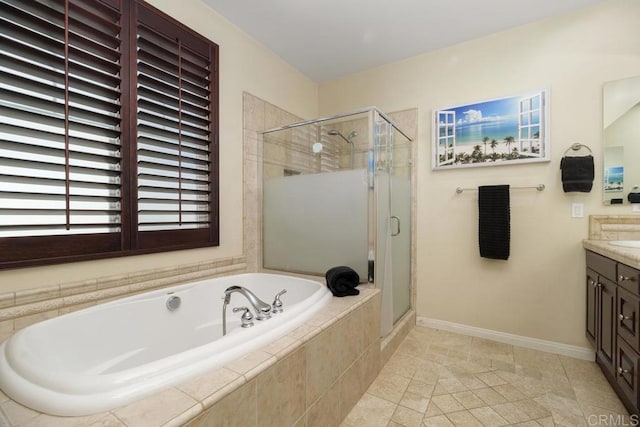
point(633, 197)
point(577, 173)
point(494, 217)
point(342, 281)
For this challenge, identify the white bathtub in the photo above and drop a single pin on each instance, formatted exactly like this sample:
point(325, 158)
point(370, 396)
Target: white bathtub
point(112, 354)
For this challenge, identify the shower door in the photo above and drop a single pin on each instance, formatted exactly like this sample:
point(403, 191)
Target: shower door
point(393, 208)
point(400, 223)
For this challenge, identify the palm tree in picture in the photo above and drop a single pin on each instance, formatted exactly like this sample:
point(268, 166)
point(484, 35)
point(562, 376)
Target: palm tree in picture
point(477, 153)
point(485, 140)
point(509, 140)
point(493, 146)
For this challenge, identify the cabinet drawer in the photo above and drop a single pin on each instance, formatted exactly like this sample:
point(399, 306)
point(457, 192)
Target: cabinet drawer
point(629, 278)
point(628, 309)
point(602, 265)
point(627, 372)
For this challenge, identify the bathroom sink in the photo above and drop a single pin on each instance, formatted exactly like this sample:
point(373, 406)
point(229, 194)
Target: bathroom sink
point(626, 243)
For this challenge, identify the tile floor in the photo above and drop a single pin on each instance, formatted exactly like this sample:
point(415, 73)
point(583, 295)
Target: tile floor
point(438, 378)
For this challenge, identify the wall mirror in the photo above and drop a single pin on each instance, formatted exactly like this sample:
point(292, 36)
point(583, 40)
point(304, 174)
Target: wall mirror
point(621, 122)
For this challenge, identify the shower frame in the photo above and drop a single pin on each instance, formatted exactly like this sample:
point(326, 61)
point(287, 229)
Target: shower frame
point(380, 139)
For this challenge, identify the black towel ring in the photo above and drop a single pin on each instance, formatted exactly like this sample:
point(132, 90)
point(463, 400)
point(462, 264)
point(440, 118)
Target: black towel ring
point(577, 147)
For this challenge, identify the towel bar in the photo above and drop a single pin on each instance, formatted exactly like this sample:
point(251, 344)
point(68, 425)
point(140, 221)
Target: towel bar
point(538, 187)
point(576, 147)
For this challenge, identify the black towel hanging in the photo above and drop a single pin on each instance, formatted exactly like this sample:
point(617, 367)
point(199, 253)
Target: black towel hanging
point(494, 221)
point(577, 171)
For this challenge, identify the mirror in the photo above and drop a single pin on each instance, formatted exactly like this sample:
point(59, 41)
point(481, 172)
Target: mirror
point(621, 122)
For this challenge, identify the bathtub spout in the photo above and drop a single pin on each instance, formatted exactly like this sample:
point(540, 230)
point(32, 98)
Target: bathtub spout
point(263, 310)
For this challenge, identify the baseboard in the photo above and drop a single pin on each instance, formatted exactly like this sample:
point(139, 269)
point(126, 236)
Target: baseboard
point(519, 340)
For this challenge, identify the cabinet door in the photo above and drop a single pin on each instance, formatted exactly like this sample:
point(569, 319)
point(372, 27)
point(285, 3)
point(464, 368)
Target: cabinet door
point(627, 372)
point(627, 318)
point(606, 331)
point(592, 308)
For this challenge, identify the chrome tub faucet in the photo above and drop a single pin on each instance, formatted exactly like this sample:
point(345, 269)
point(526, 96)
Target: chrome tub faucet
point(263, 310)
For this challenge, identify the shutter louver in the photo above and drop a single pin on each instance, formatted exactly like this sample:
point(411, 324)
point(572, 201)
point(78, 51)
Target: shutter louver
point(59, 118)
point(173, 130)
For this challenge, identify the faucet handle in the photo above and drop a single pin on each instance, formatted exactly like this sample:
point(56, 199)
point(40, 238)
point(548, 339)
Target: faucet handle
point(277, 304)
point(246, 318)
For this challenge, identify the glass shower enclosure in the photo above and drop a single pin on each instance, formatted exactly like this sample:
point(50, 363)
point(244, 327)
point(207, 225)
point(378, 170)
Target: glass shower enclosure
point(337, 191)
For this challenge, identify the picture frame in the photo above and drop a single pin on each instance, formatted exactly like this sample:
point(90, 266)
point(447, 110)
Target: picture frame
point(494, 132)
point(614, 179)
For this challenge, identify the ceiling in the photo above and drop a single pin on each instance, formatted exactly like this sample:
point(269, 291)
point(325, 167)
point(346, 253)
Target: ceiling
point(329, 39)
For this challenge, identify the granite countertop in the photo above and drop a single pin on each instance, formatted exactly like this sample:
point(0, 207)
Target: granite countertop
point(629, 256)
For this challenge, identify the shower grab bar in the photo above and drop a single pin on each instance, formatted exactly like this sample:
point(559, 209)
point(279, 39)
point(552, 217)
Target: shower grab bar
point(538, 187)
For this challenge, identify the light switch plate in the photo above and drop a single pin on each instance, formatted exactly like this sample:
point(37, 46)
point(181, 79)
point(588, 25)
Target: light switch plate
point(577, 210)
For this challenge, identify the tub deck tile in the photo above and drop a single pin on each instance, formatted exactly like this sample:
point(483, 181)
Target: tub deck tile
point(214, 398)
point(184, 417)
point(102, 419)
point(322, 320)
point(252, 364)
point(305, 332)
point(209, 383)
point(156, 410)
point(281, 345)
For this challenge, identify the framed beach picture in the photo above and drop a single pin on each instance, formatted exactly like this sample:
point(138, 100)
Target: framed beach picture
point(496, 132)
point(614, 179)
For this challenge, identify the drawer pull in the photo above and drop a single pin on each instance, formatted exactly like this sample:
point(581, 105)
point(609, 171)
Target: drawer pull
point(622, 371)
point(622, 278)
point(623, 317)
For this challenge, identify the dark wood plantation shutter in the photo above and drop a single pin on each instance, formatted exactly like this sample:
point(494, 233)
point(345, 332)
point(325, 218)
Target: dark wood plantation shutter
point(175, 147)
point(60, 129)
point(108, 132)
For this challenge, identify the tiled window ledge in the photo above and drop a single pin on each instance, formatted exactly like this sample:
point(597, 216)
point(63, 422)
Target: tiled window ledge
point(23, 308)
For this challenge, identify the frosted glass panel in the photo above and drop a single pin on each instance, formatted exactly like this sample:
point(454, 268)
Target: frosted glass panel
point(401, 244)
point(315, 222)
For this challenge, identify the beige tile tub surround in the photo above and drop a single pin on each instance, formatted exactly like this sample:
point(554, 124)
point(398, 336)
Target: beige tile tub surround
point(309, 377)
point(439, 378)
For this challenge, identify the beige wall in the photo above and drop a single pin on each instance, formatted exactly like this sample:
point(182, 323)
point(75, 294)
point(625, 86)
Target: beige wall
point(244, 66)
point(539, 291)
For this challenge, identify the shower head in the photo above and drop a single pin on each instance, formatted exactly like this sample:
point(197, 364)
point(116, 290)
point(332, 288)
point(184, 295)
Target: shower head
point(352, 135)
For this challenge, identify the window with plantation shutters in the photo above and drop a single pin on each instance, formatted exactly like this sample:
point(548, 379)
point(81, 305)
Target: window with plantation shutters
point(108, 120)
point(173, 134)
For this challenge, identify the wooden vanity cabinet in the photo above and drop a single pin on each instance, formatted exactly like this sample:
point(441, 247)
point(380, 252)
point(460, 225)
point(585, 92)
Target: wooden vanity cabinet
point(613, 324)
point(601, 309)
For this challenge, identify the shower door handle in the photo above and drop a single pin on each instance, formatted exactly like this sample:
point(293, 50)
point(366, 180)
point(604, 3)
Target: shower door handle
point(398, 220)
